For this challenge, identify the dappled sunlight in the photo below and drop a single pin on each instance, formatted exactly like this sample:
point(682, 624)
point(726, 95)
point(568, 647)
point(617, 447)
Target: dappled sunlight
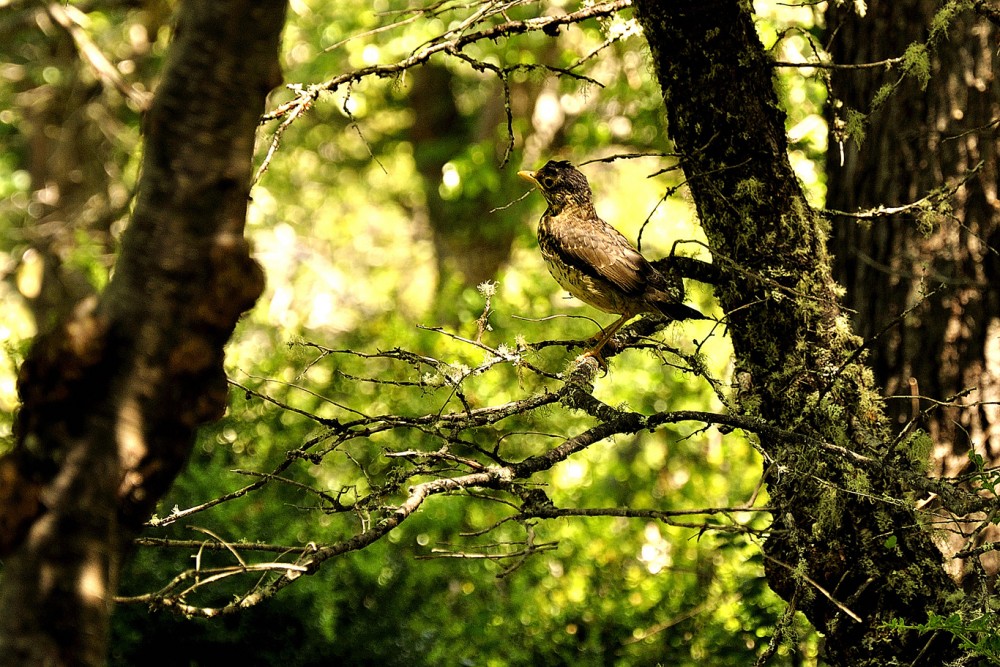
point(374, 383)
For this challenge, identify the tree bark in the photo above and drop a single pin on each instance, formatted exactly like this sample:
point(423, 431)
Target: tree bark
point(836, 479)
point(940, 262)
point(112, 397)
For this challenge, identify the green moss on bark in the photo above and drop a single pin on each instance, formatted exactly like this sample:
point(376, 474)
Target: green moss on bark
point(838, 491)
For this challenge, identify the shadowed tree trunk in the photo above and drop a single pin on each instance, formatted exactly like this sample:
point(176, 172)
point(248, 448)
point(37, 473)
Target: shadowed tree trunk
point(111, 398)
point(941, 260)
point(837, 481)
point(934, 139)
point(470, 243)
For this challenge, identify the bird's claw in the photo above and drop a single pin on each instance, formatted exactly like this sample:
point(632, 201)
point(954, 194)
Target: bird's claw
point(596, 356)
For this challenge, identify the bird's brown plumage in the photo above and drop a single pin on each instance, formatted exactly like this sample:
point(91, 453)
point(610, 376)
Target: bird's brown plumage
point(593, 261)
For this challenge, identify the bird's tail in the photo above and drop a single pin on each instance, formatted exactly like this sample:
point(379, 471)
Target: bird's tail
point(679, 311)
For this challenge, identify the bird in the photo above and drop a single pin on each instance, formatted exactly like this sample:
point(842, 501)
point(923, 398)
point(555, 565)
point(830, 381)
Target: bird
point(593, 261)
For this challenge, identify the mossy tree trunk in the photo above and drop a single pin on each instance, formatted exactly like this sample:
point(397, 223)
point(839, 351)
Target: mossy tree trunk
point(845, 536)
point(112, 396)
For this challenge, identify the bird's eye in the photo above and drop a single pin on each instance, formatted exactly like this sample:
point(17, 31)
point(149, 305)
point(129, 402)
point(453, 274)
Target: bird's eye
point(548, 181)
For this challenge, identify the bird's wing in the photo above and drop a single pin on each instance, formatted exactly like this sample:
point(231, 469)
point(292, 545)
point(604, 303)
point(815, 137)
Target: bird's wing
point(602, 252)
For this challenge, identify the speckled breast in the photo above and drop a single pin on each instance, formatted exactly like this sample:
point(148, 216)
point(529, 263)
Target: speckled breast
point(592, 291)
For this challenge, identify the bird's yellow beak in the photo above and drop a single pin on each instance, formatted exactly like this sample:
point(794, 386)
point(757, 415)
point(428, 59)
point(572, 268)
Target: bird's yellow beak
point(528, 176)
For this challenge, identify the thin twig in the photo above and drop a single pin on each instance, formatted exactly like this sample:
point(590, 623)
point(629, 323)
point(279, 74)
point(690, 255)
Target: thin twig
point(825, 593)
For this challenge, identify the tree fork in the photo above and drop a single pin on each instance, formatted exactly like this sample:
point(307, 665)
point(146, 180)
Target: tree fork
point(830, 545)
point(112, 397)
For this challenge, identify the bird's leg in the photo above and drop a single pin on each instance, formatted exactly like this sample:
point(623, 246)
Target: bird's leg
point(606, 335)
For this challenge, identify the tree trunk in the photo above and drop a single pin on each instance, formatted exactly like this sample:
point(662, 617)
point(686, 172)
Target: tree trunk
point(938, 262)
point(466, 253)
point(836, 479)
point(112, 396)
point(941, 262)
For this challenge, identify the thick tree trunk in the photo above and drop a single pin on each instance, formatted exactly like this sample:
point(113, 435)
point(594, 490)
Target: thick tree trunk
point(943, 264)
point(837, 481)
point(468, 253)
point(112, 397)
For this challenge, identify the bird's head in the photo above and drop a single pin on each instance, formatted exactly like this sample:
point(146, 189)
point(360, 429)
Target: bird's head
point(561, 183)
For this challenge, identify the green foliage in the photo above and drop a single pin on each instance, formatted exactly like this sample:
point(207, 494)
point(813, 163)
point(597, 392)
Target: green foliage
point(791, 33)
point(615, 590)
point(987, 479)
point(977, 634)
point(341, 221)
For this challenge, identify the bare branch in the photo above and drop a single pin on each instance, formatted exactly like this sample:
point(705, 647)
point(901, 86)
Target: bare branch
point(450, 43)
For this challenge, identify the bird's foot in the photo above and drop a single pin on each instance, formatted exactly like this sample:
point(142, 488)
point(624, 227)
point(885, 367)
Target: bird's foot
point(595, 350)
point(596, 356)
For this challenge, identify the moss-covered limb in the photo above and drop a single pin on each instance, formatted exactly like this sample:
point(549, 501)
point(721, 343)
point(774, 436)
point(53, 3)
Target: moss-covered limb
point(851, 532)
point(689, 267)
point(111, 400)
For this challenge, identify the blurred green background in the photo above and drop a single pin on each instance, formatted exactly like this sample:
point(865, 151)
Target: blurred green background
point(384, 208)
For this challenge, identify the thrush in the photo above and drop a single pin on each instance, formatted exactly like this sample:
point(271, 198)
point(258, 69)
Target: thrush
point(593, 261)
